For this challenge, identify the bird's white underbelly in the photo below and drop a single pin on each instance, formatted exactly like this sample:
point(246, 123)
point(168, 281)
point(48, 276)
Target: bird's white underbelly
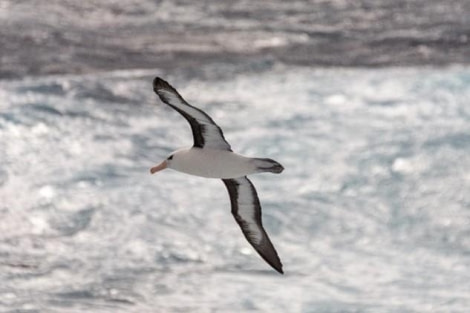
point(213, 163)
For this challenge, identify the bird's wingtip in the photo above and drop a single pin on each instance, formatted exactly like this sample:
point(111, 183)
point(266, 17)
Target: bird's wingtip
point(274, 261)
point(278, 267)
point(158, 82)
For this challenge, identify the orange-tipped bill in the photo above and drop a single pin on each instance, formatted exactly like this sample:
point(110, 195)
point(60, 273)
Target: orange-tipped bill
point(159, 167)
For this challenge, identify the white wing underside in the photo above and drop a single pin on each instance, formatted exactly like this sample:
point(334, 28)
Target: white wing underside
point(246, 209)
point(206, 133)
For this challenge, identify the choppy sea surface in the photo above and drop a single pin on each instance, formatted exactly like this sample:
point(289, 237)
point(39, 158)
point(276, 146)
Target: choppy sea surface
point(70, 36)
point(372, 213)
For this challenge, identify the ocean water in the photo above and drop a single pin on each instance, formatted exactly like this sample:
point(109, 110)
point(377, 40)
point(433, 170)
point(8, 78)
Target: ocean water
point(69, 36)
point(372, 213)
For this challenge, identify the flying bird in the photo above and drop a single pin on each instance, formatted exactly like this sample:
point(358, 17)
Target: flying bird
point(211, 156)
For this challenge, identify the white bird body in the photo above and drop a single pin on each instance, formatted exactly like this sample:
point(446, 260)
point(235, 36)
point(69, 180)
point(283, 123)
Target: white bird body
point(212, 163)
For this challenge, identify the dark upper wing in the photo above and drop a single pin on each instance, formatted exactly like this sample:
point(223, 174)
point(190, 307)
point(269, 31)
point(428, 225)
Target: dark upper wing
point(247, 212)
point(206, 133)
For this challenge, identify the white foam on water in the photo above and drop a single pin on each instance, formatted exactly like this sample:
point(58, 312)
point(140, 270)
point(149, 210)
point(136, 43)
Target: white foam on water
point(370, 215)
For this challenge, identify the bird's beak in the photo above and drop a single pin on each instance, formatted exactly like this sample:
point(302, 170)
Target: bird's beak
point(159, 167)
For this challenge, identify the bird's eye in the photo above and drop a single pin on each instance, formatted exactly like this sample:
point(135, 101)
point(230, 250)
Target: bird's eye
point(170, 157)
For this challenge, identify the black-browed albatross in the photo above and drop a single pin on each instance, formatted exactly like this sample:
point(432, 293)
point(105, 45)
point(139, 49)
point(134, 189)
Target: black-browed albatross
point(211, 156)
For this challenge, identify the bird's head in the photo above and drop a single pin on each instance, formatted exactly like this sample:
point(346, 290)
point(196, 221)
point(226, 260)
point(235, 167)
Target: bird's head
point(165, 164)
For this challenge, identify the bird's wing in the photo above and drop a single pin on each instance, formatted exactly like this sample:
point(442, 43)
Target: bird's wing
point(247, 212)
point(206, 133)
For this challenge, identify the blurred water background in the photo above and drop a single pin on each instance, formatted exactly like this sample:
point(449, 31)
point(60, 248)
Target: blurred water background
point(372, 213)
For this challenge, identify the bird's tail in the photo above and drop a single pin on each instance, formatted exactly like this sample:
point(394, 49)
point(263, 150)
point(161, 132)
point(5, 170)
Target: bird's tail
point(268, 165)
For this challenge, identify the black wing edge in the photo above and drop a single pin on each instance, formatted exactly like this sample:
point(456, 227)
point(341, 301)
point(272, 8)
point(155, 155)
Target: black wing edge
point(159, 83)
point(265, 249)
point(198, 129)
